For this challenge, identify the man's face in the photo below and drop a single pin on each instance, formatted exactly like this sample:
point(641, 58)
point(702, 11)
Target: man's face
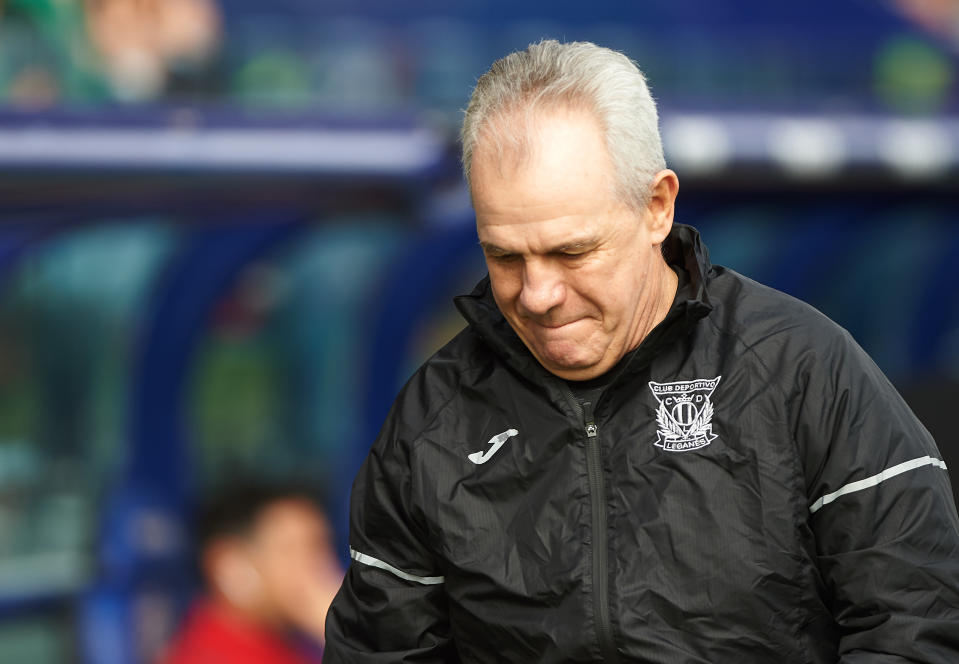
point(573, 270)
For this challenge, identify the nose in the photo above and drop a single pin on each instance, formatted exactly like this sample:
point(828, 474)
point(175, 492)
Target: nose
point(543, 288)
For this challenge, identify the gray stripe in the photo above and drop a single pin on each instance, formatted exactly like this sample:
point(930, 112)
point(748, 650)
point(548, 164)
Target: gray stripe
point(375, 562)
point(872, 481)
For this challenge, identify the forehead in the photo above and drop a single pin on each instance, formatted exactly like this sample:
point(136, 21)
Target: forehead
point(553, 148)
point(561, 189)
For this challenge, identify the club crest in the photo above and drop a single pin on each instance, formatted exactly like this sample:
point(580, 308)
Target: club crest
point(685, 414)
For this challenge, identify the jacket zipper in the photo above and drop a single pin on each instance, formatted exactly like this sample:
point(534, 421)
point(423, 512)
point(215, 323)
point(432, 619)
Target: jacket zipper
point(597, 495)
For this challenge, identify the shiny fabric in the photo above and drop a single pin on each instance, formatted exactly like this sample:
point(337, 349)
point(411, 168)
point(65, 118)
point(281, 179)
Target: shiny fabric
point(710, 551)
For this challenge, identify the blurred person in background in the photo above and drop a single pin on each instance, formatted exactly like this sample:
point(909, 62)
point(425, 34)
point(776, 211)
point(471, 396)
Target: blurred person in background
point(267, 559)
point(55, 52)
point(150, 47)
point(631, 454)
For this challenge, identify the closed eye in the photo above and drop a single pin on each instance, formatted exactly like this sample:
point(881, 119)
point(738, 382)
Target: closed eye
point(498, 254)
point(572, 254)
point(575, 249)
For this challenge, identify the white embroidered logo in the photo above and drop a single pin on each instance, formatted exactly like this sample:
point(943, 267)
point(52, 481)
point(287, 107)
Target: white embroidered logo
point(685, 414)
point(496, 442)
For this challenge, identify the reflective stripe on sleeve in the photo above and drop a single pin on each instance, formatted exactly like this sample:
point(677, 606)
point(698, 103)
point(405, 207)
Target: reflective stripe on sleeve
point(892, 471)
point(375, 562)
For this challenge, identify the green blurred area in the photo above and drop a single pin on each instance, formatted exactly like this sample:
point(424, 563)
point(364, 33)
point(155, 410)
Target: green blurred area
point(46, 57)
point(57, 53)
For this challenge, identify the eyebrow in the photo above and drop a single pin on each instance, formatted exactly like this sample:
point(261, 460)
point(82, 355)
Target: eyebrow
point(576, 245)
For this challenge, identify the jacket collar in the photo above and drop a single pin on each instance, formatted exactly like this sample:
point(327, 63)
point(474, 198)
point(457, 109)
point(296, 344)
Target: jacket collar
point(682, 247)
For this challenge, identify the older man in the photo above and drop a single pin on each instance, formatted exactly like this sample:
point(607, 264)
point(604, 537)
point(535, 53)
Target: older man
point(682, 465)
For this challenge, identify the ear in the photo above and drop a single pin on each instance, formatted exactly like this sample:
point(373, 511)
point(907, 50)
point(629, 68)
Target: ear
point(662, 204)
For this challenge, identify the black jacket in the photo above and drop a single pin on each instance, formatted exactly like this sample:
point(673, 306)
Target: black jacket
point(749, 489)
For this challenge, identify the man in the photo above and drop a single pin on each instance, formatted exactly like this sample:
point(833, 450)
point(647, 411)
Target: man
point(267, 557)
point(683, 465)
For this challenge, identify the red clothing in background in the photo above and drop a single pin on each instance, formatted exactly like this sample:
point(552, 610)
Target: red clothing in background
point(211, 635)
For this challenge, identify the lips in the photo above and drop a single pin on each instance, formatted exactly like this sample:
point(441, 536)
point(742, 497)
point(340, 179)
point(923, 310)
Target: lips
point(554, 326)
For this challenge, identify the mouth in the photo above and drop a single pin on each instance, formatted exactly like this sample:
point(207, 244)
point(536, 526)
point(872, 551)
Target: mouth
point(557, 326)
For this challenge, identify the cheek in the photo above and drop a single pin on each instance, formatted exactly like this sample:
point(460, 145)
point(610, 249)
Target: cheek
point(597, 284)
point(614, 290)
point(506, 284)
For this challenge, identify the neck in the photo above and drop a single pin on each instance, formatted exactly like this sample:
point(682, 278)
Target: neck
point(660, 301)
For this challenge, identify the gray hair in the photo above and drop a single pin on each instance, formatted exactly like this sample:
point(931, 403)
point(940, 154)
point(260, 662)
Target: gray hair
point(576, 75)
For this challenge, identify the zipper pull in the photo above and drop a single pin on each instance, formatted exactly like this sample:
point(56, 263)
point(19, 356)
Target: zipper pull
point(591, 428)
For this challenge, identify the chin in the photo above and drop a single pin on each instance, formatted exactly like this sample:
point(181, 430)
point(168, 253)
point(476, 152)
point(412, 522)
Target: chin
point(565, 358)
point(566, 366)
point(578, 373)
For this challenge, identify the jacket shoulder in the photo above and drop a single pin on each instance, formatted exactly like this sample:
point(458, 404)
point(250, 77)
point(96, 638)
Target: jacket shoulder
point(788, 341)
point(760, 315)
point(435, 384)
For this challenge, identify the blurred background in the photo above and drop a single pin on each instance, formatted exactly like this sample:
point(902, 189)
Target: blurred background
point(230, 229)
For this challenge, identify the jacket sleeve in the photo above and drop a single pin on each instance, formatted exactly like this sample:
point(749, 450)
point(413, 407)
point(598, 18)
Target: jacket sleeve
point(392, 605)
point(881, 510)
